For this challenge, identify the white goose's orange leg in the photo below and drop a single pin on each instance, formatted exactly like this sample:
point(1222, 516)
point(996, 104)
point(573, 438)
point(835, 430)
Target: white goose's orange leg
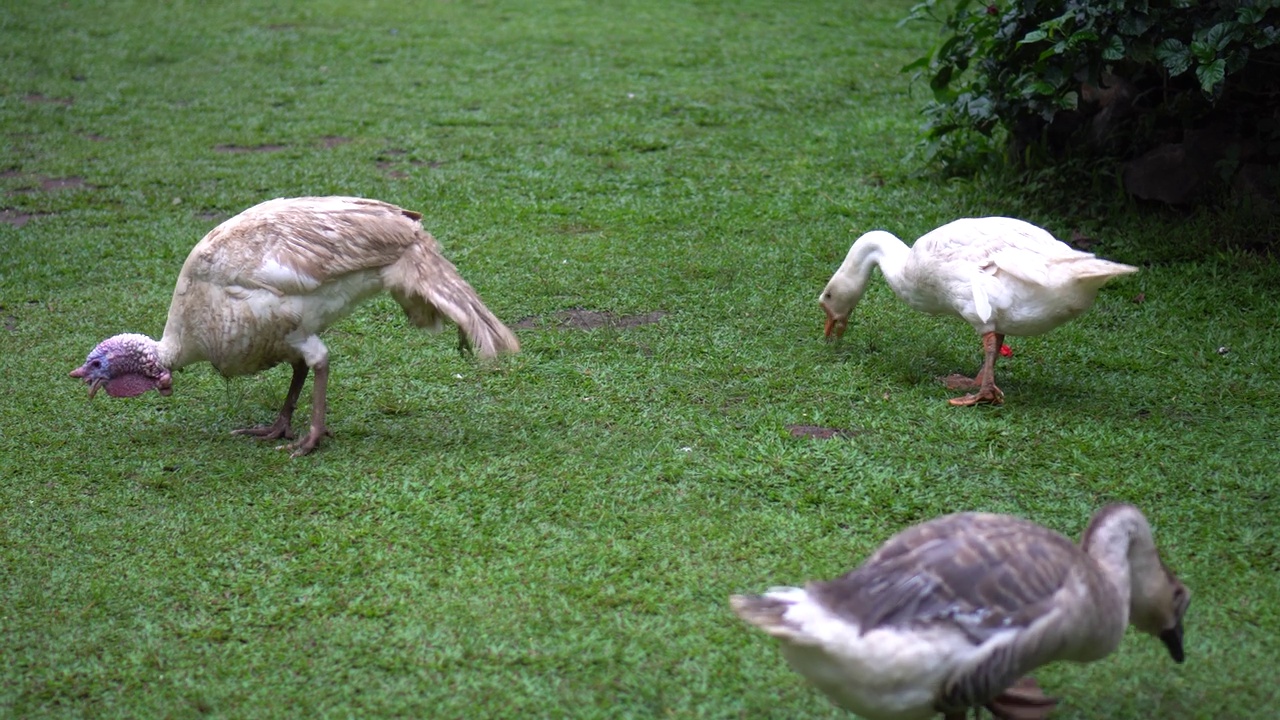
point(985, 382)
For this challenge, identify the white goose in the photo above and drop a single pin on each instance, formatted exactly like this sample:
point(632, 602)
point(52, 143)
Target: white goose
point(1003, 276)
point(951, 614)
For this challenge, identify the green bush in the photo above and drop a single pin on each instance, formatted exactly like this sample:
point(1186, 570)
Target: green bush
point(1040, 82)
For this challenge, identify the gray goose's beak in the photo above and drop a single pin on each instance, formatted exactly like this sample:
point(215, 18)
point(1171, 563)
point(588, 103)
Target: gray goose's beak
point(1172, 639)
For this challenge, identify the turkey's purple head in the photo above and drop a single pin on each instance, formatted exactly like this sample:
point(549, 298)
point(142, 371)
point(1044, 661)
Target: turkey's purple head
point(126, 365)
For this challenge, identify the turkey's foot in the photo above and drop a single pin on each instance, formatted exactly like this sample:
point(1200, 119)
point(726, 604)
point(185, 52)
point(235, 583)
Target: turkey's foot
point(990, 394)
point(960, 382)
point(276, 430)
point(1024, 700)
point(308, 443)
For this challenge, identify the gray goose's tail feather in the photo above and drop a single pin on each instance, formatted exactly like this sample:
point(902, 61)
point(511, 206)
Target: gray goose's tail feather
point(759, 610)
point(428, 286)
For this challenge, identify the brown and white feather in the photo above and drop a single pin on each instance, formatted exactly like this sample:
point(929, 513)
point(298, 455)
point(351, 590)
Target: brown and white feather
point(262, 281)
point(259, 289)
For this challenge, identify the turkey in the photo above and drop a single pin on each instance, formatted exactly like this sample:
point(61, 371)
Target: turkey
point(259, 289)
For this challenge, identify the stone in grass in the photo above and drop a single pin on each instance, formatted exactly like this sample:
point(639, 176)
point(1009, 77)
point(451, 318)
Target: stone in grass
point(819, 432)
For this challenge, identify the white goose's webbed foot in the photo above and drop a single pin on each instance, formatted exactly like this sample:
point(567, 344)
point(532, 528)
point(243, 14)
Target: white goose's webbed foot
point(985, 382)
point(959, 382)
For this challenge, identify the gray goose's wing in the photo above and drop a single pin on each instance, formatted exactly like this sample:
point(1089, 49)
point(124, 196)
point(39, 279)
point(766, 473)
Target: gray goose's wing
point(978, 573)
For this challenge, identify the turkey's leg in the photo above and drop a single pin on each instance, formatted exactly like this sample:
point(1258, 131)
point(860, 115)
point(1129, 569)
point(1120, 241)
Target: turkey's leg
point(283, 426)
point(985, 382)
point(319, 386)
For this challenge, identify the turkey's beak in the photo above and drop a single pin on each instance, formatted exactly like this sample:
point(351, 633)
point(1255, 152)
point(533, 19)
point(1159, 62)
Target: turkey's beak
point(83, 372)
point(835, 325)
point(1172, 639)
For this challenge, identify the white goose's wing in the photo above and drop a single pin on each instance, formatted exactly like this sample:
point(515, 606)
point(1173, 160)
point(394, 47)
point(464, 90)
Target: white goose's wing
point(980, 263)
point(985, 244)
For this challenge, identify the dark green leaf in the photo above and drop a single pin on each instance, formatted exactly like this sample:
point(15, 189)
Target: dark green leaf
point(942, 79)
point(1270, 36)
point(1033, 36)
point(1237, 60)
point(1141, 51)
point(1203, 51)
point(1250, 15)
point(980, 108)
point(1039, 88)
point(1133, 24)
point(1114, 49)
point(916, 65)
point(1175, 56)
point(1211, 74)
point(1221, 34)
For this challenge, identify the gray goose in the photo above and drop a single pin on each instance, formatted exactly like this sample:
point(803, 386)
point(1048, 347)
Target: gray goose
point(951, 614)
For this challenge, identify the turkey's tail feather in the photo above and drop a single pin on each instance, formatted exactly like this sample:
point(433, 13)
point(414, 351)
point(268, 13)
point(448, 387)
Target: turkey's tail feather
point(430, 289)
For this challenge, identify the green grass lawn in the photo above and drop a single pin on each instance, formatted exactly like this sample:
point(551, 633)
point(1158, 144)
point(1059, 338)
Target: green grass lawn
point(557, 534)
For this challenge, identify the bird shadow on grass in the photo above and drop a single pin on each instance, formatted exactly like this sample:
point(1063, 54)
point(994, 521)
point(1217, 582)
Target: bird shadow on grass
point(911, 364)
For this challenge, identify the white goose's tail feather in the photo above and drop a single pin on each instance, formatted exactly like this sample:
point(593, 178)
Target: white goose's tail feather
point(428, 286)
point(1089, 266)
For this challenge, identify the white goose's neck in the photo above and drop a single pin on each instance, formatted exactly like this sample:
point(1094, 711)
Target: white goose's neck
point(876, 248)
point(1119, 539)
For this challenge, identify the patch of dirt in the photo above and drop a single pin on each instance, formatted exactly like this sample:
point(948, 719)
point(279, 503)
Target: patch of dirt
point(5, 174)
point(16, 218)
point(10, 323)
point(333, 141)
point(579, 319)
point(392, 173)
point(577, 229)
point(48, 184)
point(213, 216)
point(1082, 241)
point(74, 183)
point(266, 147)
point(387, 166)
point(819, 432)
point(96, 137)
point(40, 98)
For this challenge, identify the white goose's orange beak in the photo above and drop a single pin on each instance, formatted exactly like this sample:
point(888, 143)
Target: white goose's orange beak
point(836, 325)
